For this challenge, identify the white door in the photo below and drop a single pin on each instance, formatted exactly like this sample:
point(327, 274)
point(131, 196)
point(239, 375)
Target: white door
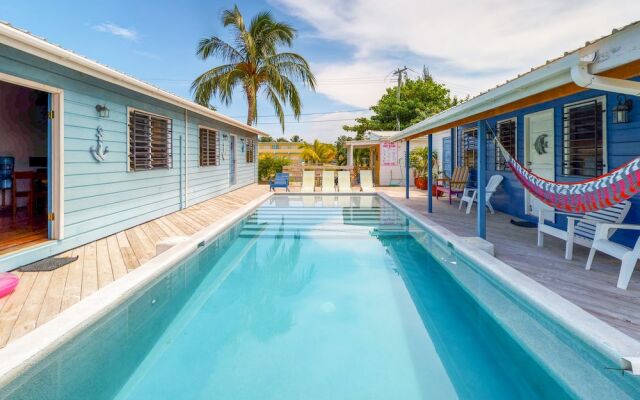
point(539, 155)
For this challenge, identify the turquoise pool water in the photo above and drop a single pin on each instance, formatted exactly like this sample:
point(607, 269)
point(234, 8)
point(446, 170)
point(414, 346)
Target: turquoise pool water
point(321, 297)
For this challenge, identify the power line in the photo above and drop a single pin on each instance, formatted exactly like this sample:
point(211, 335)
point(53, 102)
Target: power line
point(313, 113)
point(307, 122)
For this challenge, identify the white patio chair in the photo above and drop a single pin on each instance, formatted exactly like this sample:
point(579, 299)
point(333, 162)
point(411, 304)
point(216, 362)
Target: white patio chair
point(628, 256)
point(308, 182)
point(581, 228)
point(344, 181)
point(366, 181)
point(328, 182)
point(470, 195)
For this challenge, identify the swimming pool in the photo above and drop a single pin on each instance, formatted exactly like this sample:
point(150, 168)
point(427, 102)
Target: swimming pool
point(325, 297)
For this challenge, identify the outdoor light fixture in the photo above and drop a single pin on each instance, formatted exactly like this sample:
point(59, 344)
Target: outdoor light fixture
point(103, 111)
point(621, 111)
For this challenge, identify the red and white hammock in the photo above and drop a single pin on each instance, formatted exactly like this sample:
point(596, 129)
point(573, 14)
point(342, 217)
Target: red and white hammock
point(579, 197)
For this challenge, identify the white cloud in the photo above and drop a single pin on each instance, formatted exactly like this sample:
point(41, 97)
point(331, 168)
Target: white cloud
point(117, 30)
point(471, 45)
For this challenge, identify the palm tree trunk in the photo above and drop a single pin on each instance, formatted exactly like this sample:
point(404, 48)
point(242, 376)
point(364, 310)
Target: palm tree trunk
point(251, 103)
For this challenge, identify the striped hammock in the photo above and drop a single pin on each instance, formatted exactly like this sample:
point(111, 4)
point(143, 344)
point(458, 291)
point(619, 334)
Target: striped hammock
point(579, 197)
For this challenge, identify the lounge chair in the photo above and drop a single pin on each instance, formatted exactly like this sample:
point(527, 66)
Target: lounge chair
point(344, 181)
point(581, 229)
point(470, 195)
point(280, 181)
point(628, 256)
point(366, 181)
point(454, 185)
point(328, 182)
point(308, 182)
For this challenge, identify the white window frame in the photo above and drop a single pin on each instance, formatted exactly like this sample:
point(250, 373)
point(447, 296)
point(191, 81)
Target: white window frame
point(218, 139)
point(515, 156)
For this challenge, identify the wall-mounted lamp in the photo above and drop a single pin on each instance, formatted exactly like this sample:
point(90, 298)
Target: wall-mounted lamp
point(103, 111)
point(621, 111)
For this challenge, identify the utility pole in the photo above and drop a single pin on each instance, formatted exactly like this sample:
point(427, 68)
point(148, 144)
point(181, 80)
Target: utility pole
point(400, 72)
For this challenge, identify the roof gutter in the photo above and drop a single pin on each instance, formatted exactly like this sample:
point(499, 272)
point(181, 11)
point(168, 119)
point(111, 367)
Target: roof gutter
point(581, 77)
point(30, 44)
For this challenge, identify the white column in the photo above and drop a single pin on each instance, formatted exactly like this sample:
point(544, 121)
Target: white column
point(349, 155)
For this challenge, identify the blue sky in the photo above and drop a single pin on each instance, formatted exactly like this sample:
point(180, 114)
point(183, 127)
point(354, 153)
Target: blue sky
point(352, 46)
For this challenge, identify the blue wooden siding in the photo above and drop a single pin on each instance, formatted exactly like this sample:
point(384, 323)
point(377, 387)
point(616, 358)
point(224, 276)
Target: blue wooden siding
point(623, 144)
point(104, 198)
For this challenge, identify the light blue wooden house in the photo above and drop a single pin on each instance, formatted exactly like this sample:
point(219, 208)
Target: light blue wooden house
point(88, 151)
point(561, 120)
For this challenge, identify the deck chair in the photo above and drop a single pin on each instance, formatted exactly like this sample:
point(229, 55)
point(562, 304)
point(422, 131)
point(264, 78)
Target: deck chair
point(470, 195)
point(454, 185)
point(366, 181)
point(581, 229)
point(280, 181)
point(328, 182)
point(308, 182)
point(628, 256)
point(344, 181)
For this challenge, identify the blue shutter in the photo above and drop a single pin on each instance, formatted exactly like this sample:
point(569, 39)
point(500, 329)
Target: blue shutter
point(447, 160)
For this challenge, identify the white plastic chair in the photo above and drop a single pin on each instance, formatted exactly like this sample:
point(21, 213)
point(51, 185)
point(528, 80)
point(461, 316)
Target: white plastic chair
point(344, 181)
point(328, 182)
point(470, 195)
point(308, 182)
point(628, 256)
point(581, 229)
point(366, 181)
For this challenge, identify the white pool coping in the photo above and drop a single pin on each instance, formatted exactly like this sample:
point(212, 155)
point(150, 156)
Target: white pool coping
point(28, 350)
point(611, 342)
point(20, 354)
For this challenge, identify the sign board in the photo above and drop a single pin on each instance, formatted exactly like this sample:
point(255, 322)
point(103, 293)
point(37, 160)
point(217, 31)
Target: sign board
point(389, 155)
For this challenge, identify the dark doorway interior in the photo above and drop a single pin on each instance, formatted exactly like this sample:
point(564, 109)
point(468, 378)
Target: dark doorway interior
point(24, 164)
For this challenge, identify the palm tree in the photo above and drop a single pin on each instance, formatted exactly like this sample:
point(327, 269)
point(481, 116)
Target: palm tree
point(252, 62)
point(317, 152)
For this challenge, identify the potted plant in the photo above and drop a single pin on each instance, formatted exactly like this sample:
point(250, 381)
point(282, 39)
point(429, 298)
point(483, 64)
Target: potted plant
point(418, 161)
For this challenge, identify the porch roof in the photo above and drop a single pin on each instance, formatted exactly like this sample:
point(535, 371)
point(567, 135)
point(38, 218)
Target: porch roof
point(31, 44)
point(618, 56)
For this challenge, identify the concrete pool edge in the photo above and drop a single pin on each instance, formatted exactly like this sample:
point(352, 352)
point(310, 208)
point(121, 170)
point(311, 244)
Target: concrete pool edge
point(26, 351)
point(611, 342)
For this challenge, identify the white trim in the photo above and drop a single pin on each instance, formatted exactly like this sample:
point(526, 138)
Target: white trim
point(617, 49)
point(186, 157)
point(30, 44)
point(57, 150)
point(515, 120)
point(600, 99)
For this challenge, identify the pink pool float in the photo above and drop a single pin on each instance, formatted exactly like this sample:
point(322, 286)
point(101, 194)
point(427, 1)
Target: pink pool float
point(8, 283)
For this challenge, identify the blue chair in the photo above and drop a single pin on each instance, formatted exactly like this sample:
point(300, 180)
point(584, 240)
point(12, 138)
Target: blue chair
point(281, 181)
point(6, 175)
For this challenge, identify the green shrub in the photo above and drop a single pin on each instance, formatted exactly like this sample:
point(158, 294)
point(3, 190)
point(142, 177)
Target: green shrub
point(269, 165)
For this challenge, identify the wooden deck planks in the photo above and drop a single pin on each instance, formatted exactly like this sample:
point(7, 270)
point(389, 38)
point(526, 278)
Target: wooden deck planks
point(41, 296)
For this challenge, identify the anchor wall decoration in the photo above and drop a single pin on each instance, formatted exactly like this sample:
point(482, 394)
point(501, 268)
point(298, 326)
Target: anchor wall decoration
point(100, 151)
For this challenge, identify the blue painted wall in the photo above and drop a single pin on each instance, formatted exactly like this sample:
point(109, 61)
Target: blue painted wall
point(623, 144)
point(104, 198)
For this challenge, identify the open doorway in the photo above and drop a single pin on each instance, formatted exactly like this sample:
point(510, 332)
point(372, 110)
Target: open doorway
point(25, 160)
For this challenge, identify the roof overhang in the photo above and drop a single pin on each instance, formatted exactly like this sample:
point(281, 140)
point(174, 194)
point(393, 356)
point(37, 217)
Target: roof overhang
point(30, 44)
point(618, 56)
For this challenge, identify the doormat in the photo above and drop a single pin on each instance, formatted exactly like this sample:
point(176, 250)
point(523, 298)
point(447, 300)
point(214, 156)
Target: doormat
point(48, 264)
point(524, 224)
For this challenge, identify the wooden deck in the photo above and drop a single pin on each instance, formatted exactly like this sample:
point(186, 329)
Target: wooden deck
point(40, 296)
point(595, 290)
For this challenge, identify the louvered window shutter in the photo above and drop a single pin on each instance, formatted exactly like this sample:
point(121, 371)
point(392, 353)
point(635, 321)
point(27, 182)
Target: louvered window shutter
point(150, 142)
point(208, 147)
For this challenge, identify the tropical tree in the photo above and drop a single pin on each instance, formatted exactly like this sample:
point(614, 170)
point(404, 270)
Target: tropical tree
point(317, 152)
point(252, 61)
point(296, 139)
point(269, 165)
point(419, 99)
